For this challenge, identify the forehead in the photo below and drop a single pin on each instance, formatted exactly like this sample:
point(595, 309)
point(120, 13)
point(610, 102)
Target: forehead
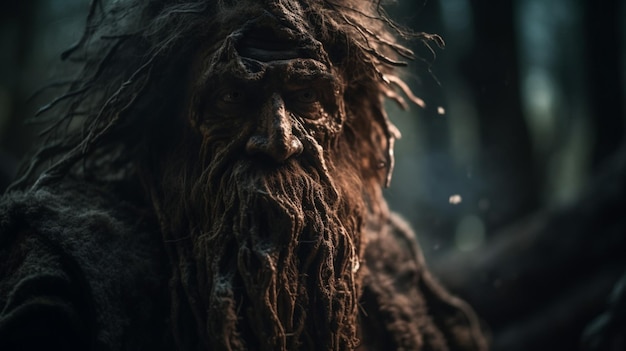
point(281, 28)
point(287, 14)
point(259, 42)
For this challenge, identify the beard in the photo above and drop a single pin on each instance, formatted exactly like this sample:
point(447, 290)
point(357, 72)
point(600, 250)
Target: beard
point(266, 258)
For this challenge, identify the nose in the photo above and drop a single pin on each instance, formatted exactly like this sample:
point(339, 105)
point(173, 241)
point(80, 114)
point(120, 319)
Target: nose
point(273, 136)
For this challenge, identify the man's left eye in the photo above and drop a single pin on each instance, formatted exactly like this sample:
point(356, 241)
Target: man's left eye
point(305, 96)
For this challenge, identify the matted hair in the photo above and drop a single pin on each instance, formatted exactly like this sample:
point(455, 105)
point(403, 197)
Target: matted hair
point(133, 60)
point(121, 114)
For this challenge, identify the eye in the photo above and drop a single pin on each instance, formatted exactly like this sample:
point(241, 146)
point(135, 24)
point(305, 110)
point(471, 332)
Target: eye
point(305, 96)
point(230, 101)
point(306, 102)
point(233, 96)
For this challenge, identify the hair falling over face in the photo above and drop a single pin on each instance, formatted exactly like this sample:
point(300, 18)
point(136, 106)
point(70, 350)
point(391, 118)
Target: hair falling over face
point(254, 249)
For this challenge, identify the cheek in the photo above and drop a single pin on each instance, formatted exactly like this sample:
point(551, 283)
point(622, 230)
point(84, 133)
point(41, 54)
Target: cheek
point(223, 128)
point(218, 142)
point(326, 128)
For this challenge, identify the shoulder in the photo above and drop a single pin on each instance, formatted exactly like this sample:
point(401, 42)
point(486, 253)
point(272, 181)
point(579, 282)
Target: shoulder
point(71, 202)
point(77, 260)
point(77, 216)
point(402, 297)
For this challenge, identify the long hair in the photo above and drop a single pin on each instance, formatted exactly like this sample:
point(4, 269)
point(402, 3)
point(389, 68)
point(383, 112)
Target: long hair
point(131, 63)
point(120, 120)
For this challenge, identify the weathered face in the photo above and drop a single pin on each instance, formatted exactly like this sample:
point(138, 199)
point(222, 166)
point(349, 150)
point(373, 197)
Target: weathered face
point(270, 215)
point(271, 89)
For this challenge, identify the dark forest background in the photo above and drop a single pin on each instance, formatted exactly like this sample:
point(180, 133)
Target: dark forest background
point(513, 175)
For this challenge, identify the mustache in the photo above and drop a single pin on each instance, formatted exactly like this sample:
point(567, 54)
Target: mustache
point(287, 182)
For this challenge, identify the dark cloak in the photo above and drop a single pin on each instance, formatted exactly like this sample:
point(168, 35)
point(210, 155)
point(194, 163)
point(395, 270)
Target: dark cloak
point(82, 269)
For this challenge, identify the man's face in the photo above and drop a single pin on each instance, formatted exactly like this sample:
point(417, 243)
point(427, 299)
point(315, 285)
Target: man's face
point(283, 102)
point(274, 92)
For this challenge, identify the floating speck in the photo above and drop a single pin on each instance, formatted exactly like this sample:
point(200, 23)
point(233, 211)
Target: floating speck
point(455, 199)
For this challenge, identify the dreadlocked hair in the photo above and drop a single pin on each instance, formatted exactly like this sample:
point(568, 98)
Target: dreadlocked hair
point(133, 55)
point(122, 112)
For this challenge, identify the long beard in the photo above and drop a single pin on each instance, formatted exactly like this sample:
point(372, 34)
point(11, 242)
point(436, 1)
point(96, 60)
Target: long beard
point(268, 258)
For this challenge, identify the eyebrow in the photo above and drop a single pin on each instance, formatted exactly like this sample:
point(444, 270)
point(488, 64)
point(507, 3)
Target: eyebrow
point(304, 70)
point(310, 79)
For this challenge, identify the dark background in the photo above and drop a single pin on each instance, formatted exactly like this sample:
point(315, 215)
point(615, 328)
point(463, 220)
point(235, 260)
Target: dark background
point(513, 175)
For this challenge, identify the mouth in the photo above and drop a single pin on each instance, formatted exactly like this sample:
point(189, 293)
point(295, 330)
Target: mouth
point(258, 168)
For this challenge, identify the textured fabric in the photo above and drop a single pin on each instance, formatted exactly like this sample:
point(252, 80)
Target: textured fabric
point(80, 270)
point(404, 307)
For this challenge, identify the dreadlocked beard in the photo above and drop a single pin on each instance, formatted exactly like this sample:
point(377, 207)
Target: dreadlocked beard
point(266, 258)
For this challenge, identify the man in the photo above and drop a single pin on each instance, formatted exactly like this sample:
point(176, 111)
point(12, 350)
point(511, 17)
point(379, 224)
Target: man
point(214, 182)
